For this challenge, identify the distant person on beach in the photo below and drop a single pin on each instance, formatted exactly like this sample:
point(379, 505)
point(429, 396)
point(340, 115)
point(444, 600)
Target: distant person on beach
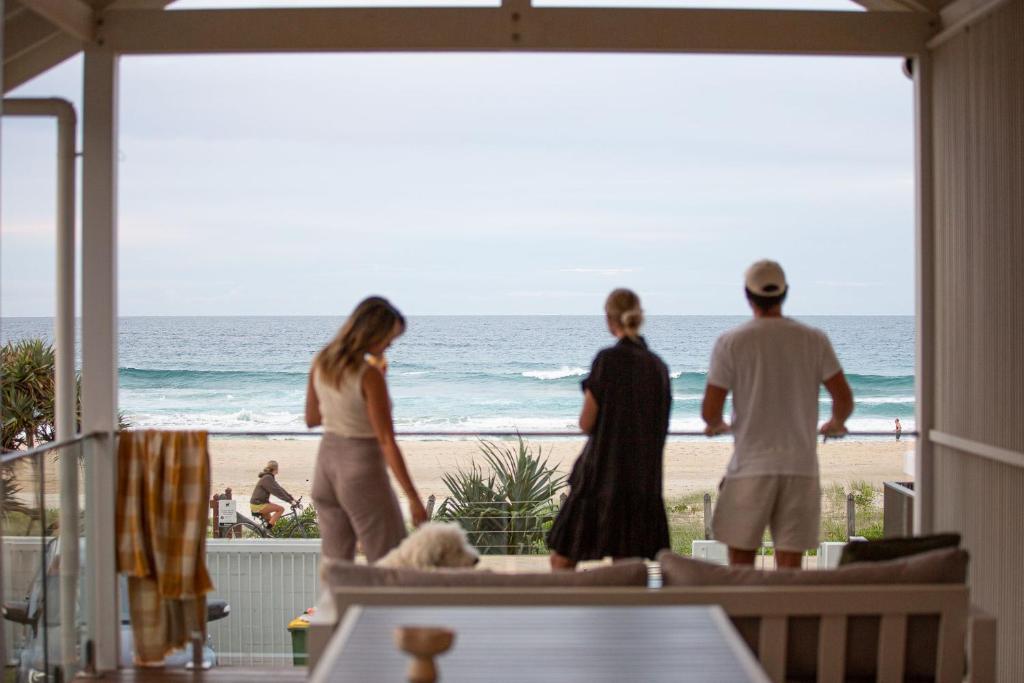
point(899, 429)
point(615, 505)
point(774, 367)
point(348, 395)
point(259, 502)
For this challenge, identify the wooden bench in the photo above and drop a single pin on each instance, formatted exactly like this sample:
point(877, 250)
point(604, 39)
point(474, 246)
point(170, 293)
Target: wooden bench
point(767, 617)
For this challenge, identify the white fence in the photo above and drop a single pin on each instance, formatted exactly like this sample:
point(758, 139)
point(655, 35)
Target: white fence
point(267, 583)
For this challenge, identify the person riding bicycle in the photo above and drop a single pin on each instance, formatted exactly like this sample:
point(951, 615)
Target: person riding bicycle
point(259, 502)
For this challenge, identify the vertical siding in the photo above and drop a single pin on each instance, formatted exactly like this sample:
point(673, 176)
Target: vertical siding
point(267, 584)
point(979, 292)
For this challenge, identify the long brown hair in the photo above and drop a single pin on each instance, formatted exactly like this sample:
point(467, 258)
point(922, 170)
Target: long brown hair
point(623, 306)
point(371, 323)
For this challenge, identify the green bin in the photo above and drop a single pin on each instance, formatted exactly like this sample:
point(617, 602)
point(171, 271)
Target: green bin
point(299, 627)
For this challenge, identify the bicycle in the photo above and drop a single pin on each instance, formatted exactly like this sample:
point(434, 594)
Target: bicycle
point(289, 525)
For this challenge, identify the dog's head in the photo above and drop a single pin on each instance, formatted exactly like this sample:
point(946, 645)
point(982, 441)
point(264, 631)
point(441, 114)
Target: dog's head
point(442, 544)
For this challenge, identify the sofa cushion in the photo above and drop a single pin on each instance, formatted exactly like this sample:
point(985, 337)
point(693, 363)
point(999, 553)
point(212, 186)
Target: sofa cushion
point(894, 548)
point(337, 573)
point(937, 566)
point(948, 565)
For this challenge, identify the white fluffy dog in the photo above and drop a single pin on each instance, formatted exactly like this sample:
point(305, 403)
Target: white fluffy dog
point(433, 545)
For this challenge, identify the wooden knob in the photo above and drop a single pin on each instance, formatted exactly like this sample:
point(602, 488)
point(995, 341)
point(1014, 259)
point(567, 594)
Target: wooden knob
point(423, 643)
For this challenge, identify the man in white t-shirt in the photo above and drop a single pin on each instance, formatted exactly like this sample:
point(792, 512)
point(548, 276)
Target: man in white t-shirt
point(774, 367)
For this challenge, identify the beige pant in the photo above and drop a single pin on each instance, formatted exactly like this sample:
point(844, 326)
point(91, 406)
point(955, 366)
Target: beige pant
point(789, 505)
point(354, 500)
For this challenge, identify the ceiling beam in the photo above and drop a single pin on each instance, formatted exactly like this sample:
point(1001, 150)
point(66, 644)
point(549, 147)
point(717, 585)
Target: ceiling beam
point(44, 56)
point(74, 17)
point(515, 27)
point(25, 31)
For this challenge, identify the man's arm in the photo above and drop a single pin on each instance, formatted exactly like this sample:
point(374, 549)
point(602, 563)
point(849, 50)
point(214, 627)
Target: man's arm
point(842, 405)
point(711, 410)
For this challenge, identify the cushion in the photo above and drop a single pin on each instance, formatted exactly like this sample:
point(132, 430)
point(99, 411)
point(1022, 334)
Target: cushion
point(894, 548)
point(938, 566)
point(948, 565)
point(337, 574)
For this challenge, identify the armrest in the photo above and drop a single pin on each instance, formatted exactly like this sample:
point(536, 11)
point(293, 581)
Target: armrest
point(981, 646)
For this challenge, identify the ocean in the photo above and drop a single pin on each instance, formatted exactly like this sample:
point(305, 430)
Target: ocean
point(455, 373)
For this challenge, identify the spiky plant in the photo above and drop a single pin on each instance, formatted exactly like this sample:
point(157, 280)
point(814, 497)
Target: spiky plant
point(9, 501)
point(508, 509)
point(28, 395)
point(27, 369)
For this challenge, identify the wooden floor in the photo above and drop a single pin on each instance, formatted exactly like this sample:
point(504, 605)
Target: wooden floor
point(224, 674)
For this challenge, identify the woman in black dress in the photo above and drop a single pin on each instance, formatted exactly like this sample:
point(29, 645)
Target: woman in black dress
point(615, 506)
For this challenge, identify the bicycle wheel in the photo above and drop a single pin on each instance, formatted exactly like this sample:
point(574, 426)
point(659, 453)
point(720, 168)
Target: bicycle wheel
point(245, 528)
point(290, 527)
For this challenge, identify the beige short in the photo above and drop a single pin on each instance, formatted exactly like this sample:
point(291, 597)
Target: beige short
point(789, 505)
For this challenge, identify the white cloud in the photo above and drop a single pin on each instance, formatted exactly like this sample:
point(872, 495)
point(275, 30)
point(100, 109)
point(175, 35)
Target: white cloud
point(599, 271)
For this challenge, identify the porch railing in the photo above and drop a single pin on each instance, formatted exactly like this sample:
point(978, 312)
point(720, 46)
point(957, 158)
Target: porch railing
point(41, 520)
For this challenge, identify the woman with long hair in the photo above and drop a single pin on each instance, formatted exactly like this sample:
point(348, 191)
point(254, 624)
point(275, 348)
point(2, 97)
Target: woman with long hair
point(259, 502)
point(615, 506)
point(348, 395)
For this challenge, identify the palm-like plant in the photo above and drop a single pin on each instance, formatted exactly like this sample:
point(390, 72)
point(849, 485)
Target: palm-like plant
point(508, 509)
point(27, 394)
point(27, 374)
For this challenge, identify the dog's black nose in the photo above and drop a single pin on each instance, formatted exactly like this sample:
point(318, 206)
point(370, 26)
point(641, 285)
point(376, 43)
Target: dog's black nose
point(476, 560)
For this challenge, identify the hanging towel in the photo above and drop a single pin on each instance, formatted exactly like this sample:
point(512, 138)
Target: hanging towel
point(163, 488)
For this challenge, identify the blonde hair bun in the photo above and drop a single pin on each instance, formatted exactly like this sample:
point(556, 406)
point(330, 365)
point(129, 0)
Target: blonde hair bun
point(632, 319)
point(623, 307)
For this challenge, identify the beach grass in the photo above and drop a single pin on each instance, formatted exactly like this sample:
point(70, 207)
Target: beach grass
point(686, 521)
point(686, 515)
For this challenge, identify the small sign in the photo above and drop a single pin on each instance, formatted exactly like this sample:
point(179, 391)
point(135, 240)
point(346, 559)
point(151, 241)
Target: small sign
point(226, 513)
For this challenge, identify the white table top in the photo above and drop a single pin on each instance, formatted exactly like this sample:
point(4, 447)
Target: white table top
point(564, 644)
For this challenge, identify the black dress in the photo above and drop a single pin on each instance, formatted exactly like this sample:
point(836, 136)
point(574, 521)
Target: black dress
point(615, 504)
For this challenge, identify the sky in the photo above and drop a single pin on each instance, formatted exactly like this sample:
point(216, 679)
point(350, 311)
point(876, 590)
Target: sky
point(485, 183)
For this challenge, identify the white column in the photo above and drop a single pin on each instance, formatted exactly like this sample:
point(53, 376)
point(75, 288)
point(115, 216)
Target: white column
point(64, 338)
point(924, 480)
point(99, 345)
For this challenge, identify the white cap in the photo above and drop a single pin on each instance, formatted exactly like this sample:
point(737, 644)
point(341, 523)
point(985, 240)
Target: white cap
point(765, 278)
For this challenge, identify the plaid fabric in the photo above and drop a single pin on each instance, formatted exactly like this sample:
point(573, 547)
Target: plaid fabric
point(163, 486)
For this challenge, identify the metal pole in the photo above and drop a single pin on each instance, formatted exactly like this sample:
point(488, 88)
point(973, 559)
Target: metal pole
point(64, 341)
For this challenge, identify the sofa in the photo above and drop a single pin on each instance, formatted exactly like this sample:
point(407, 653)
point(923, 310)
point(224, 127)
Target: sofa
point(908, 619)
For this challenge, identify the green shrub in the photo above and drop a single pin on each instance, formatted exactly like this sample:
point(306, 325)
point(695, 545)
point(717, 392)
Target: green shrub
point(508, 508)
point(286, 526)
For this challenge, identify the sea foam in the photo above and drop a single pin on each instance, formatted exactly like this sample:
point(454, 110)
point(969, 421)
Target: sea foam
point(561, 373)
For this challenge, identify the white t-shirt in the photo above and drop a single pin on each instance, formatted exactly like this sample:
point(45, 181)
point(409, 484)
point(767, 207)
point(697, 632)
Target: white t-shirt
point(774, 368)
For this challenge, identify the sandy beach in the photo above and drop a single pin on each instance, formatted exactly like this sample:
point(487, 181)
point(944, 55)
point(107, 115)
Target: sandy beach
point(690, 466)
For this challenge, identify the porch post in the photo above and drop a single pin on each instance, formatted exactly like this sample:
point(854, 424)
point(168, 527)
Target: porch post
point(924, 480)
point(3, 645)
point(99, 346)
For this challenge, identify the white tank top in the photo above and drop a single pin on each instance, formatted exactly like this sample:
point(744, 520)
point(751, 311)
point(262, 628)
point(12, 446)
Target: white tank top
point(343, 408)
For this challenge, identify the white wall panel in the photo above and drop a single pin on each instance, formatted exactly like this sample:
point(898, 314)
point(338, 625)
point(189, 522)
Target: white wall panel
point(978, 120)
